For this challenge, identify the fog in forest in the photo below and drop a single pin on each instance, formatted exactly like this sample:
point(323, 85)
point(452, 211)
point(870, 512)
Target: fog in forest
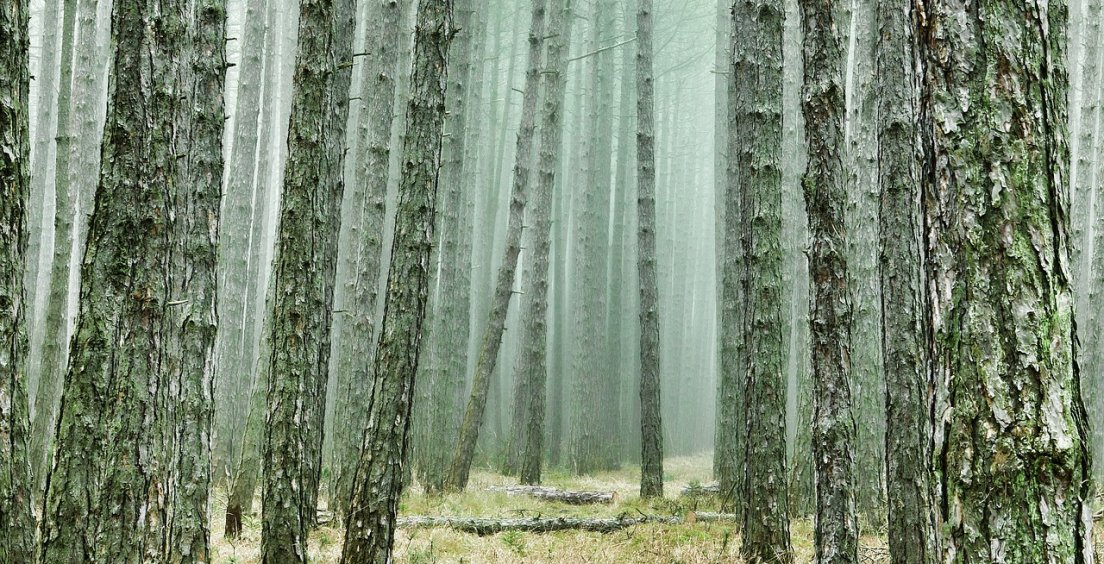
point(550, 281)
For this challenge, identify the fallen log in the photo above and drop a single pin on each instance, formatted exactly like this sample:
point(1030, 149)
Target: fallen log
point(489, 526)
point(699, 490)
point(555, 494)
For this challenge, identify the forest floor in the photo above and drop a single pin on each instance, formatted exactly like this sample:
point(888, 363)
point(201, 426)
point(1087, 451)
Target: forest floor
point(696, 543)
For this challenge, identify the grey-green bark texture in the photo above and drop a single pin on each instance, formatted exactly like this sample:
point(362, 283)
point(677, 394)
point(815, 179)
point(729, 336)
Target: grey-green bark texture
point(304, 269)
point(651, 431)
point(532, 363)
point(51, 368)
point(491, 341)
point(17, 523)
point(131, 476)
point(729, 444)
point(370, 523)
point(446, 351)
point(377, 105)
point(240, 246)
point(837, 526)
point(756, 112)
point(861, 220)
point(1011, 444)
point(910, 479)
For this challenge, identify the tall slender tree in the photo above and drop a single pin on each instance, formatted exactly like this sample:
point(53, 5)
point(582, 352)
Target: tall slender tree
point(131, 476)
point(1014, 457)
point(17, 524)
point(302, 301)
point(913, 514)
point(370, 524)
point(757, 115)
point(462, 456)
point(837, 526)
point(651, 466)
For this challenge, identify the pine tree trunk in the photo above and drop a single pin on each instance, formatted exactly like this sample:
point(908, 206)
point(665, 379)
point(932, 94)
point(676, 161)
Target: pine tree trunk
point(377, 99)
point(651, 456)
point(913, 525)
point(139, 386)
point(17, 523)
point(460, 466)
point(532, 365)
point(1012, 445)
point(370, 524)
point(756, 110)
point(830, 310)
point(306, 260)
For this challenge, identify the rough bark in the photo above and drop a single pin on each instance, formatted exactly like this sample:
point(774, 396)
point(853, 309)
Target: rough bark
point(830, 309)
point(651, 430)
point(305, 265)
point(912, 511)
point(132, 477)
point(377, 98)
point(532, 363)
point(460, 466)
point(1011, 446)
point(17, 523)
point(757, 114)
point(370, 523)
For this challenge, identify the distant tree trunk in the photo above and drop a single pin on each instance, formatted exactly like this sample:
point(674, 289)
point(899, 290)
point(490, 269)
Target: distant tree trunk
point(837, 527)
point(913, 521)
point(460, 466)
point(51, 369)
point(17, 522)
point(532, 364)
point(370, 523)
point(377, 99)
point(756, 110)
point(446, 351)
point(722, 75)
point(139, 384)
point(651, 455)
point(306, 260)
point(1014, 458)
point(235, 347)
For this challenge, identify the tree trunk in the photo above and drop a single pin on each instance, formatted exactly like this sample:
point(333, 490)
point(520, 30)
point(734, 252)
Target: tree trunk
point(913, 521)
point(1011, 444)
point(532, 364)
point(460, 466)
point(139, 385)
point(651, 426)
point(756, 111)
point(377, 99)
point(830, 310)
point(305, 265)
point(370, 523)
point(17, 523)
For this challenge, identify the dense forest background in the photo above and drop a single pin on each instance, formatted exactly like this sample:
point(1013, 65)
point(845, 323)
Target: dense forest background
point(367, 165)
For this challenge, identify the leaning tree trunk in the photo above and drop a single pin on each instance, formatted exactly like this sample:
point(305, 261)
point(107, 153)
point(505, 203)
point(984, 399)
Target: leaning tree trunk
point(492, 336)
point(370, 523)
point(532, 360)
point(302, 306)
point(377, 99)
point(17, 524)
point(910, 480)
point(651, 427)
point(139, 384)
point(830, 313)
point(757, 114)
point(1013, 446)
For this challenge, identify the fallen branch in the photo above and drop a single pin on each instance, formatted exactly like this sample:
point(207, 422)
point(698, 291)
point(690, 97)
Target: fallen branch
point(490, 526)
point(554, 494)
point(698, 490)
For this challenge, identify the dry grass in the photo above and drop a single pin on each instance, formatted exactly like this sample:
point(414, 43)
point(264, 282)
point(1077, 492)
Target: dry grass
point(697, 543)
